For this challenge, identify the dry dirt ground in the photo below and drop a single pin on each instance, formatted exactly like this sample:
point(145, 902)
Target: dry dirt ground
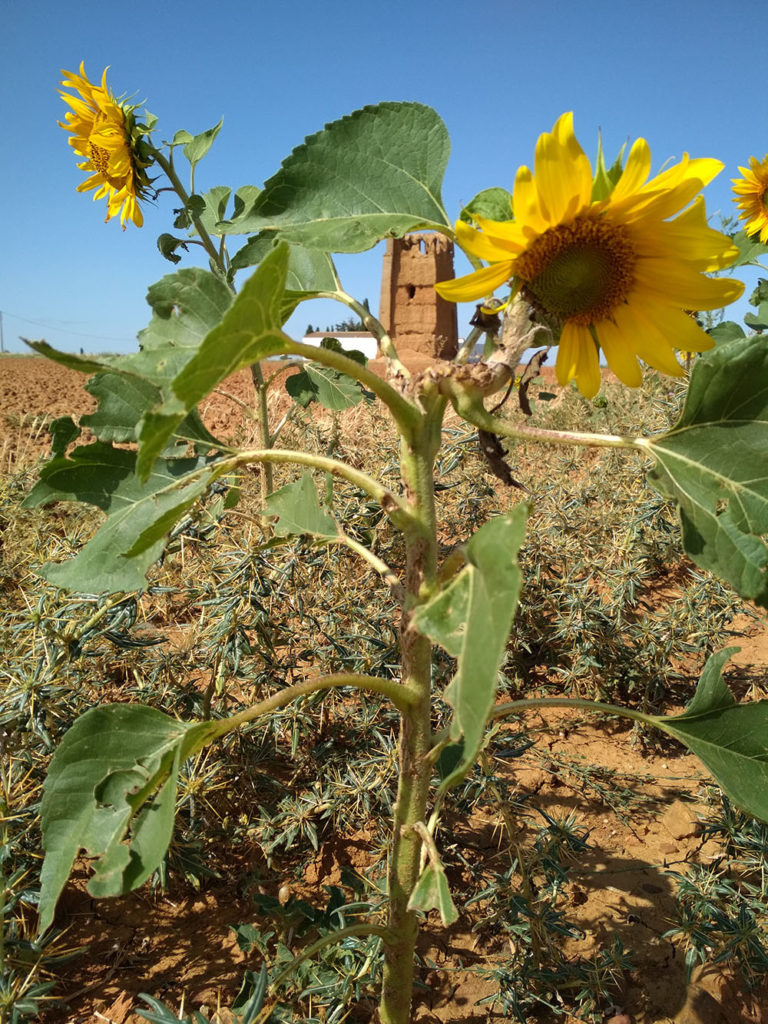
point(169, 944)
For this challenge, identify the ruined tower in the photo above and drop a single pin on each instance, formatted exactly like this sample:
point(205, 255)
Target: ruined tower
point(411, 310)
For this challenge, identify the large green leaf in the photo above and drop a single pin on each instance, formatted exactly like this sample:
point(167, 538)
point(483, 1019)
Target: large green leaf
point(374, 174)
point(123, 401)
point(751, 250)
point(714, 462)
point(298, 510)
point(491, 203)
point(471, 618)
point(730, 739)
point(249, 332)
point(334, 390)
point(110, 791)
point(309, 270)
point(186, 306)
point(139, 515)
point(726, 331)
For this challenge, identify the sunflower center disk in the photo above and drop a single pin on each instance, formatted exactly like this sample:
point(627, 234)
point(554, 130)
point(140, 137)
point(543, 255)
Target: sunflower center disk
point(579, 271)
point(99, 157)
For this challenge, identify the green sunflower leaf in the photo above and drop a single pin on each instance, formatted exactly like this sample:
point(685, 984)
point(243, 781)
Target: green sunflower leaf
point(471, 618)
point(298, 510)
point(374, 174)
point(214, 208)
point(124, 399)
point(714, 463)
point(186, 306)
point(310, 271)
point(491, 203)
point(730, 739)
point(432, 892)
point(334, 390)
point(197, 146)
point(249, 331)
point(110, 791)
point(751, 250)
point(728, 330)
point(139, 515)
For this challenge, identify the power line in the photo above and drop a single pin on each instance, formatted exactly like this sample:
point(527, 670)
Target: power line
point(53, 326)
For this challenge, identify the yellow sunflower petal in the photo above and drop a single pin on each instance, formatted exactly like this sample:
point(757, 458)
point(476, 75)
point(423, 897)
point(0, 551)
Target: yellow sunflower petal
point(690, 238)
point(526, 203)
point(476, 285)
point(684, 287)
point(563, 172)
point(577, 359)
point(621, 357)
point(635, 173)
point(646, 339)
point(486, 245)
point(104, 132)
point(679, 328)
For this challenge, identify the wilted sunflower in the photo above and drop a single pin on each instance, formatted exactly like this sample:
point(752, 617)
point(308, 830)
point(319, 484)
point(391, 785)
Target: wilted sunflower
point(104, 131)
point(752, 196)
point(602, 259)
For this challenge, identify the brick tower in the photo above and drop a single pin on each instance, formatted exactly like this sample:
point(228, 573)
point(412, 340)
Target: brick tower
point(413, 313)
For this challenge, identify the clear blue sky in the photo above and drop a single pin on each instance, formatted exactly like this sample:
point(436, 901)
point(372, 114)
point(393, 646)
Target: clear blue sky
point(684, 75)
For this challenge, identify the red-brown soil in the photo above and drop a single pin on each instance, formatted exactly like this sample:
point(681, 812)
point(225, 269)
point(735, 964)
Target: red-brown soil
point(173, 945)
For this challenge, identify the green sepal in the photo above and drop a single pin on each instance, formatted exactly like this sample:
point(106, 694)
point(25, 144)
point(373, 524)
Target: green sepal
point(606, 178)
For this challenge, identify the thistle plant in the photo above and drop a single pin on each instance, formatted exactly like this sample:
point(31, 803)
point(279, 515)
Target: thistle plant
point(591, 259)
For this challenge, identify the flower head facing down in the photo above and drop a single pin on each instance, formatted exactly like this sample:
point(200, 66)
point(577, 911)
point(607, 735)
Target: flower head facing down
point(106, 135)
point(752, 197)
point(616, 267)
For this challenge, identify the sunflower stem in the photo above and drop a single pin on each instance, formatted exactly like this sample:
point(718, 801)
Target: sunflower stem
point(167, 166)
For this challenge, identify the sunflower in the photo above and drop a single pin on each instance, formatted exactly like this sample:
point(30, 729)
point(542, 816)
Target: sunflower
point(752, 197)
point(602, 260)
point(105, 133)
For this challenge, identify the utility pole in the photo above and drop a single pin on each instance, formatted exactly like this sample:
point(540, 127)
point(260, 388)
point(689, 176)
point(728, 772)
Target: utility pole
point(2, 346)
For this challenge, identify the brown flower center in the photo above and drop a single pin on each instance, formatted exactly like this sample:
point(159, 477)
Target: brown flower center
point(99, 158)
point(579, 271)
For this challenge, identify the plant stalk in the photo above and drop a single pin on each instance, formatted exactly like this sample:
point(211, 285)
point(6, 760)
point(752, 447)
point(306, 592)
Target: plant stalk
point(262, 418)
point(417, 462)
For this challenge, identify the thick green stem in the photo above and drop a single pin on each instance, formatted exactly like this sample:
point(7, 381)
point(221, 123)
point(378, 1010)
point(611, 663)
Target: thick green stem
point(415, 740)
point(262, 418)
point(205, 239)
